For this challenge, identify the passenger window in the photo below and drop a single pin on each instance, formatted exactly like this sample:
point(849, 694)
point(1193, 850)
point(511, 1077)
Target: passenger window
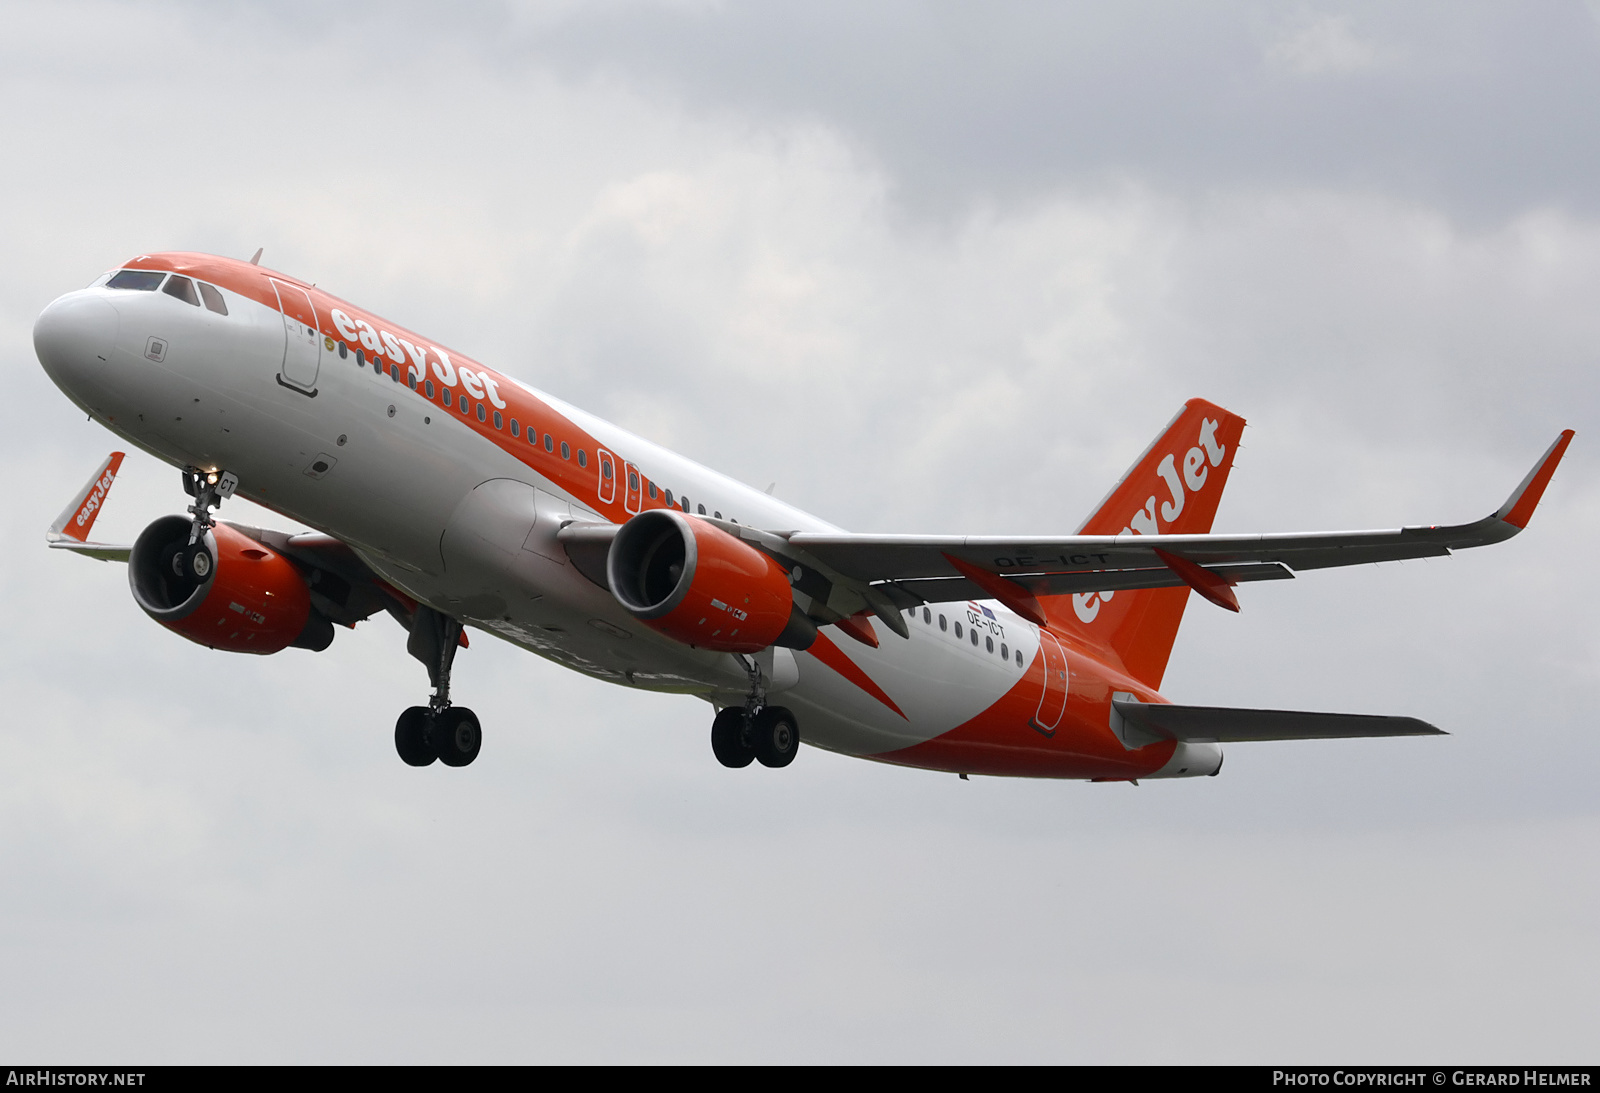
point(549, 443)
point(344, 351)
point(394, 372)
point(633, 481)
point(583, 458)
point(183, 289)
point(483, 415)
point(1004, 653)
point(466, 406)
point(214, 301)
point(686, 506)
point(428, 388)
point(1019, 658)
point(515, 428)
point(701, 509)
point(377, 364)
point(566, 452)
point(136, 280)
point(718, 515)
point(942, 625)
point(652, 491)
point(988, 644)
point(411, 380)
point(605, 468)
point(499, 422)
point(927, 616)
point(444, 395)
point(974, 635)
point(958, 629)
point(669, 499)
point(361, 358)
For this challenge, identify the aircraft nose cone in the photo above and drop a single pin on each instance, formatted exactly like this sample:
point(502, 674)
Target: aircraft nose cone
point(74, 336)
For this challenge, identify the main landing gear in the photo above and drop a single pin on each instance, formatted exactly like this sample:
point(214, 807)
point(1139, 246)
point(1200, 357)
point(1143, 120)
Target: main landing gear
point(771, 735)
point(450, 734)
point(755, 731)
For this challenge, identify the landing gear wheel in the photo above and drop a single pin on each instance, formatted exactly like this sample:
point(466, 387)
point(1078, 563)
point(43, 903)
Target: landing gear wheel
point(776, 735)
point(456, 736)
point(411, 737)
point(197, 563)
point(729, 740)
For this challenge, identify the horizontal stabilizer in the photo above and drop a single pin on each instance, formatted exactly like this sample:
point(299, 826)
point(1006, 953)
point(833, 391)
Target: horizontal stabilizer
point(1139, 723)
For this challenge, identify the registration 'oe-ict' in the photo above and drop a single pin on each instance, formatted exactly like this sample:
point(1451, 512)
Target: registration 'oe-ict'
point(449, 495)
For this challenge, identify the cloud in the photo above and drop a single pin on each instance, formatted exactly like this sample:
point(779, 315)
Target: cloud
point(1324, 45)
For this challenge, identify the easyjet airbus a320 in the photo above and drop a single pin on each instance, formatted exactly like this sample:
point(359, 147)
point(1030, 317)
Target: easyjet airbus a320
point(450, 495)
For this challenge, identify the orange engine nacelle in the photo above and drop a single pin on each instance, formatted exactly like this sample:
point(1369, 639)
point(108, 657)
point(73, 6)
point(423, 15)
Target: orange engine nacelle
point(695, 583)
point(243, 597)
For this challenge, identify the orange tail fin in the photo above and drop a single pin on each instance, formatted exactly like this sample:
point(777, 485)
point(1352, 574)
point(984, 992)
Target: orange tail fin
point(1172, 489)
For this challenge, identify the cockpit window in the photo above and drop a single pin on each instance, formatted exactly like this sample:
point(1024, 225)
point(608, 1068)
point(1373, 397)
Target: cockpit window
point(138, 280)
point(183, 289)
point(214, 300)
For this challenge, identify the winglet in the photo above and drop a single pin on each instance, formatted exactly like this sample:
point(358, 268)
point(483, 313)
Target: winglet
point(1519, 506)
point(71, 529)
point(78, 517)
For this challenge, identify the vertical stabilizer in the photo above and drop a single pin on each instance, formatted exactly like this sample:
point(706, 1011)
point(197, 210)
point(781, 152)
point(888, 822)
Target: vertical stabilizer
point(1172, 489)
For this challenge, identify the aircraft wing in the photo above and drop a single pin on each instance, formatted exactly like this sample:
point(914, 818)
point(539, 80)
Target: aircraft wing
point(71, 529)
point(1015, 570)
point(341, 585)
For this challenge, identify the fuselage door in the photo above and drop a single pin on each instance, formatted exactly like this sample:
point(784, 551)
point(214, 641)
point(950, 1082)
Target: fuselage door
point(608, 477)
point(635, 496)
point(1053, 701)
point(302, 356)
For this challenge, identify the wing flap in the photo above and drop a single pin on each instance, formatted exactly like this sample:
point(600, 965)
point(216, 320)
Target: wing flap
point(951, 589)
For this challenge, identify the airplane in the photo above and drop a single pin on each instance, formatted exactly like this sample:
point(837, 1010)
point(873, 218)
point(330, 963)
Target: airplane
point(449, 495)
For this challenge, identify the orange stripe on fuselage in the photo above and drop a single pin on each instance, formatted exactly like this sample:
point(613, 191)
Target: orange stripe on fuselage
point(583, 483)
point(831, 655)
point(1002, 740)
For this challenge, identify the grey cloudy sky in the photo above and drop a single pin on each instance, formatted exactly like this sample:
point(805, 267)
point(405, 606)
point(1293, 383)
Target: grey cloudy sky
point(928, 267)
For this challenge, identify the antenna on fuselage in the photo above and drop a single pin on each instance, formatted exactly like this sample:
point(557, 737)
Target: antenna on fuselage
point(255, 259)
point(768, 490)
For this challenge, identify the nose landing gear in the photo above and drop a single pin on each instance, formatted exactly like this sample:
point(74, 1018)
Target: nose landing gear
point(209, 490)
point(192, 562)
